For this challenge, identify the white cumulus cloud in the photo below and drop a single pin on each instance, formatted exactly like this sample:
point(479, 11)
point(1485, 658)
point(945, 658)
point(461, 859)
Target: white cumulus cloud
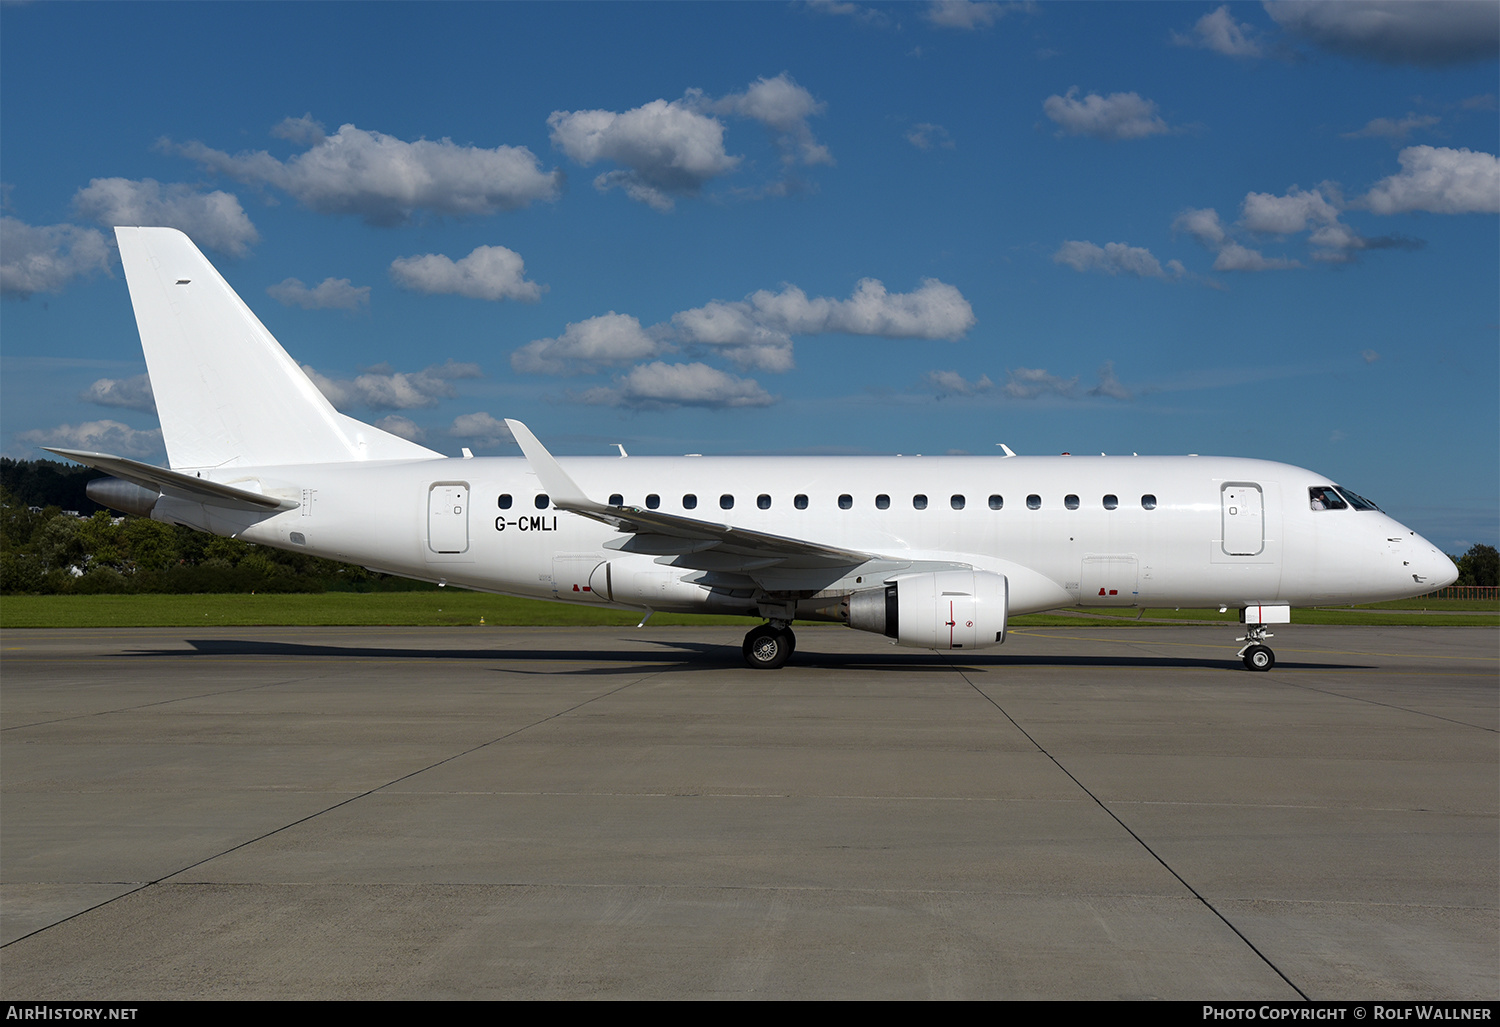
point(1269, 214)
point(96, 436)
point(481, 428)
point(44, 258)
point(1393, 129)
point(585, 345)
point(1219, 32)
point(335, 293)
point(1116, 116)
point(659, 386)
point(965, 14)
point(380, 388)
point(214, 219)
point(1439, 180)
point(951, 383)
point(1115, 258)
point(784, 107)
point(926, 135)
point(386, 180)
point(1235, 257)
point(130, 393)
point(1433, 32)
point(488, 273)
point(667, 148)
point(1203, 225)
point(403, 427)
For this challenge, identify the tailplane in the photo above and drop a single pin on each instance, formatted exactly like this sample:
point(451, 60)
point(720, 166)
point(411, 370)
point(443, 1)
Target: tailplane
point(228, 395)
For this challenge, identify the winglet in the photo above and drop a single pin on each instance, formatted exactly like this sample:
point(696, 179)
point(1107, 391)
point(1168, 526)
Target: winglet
point(563, 490)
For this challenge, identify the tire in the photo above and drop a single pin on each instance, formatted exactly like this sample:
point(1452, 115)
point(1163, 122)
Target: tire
point(766, 648)
point(1259, 657)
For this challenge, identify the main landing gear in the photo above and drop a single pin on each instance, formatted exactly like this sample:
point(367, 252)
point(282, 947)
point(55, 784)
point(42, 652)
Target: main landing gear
point(1257, 655)
point(769, 646)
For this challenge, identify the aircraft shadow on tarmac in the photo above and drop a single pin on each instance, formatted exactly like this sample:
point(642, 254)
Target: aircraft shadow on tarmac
point(714, 656)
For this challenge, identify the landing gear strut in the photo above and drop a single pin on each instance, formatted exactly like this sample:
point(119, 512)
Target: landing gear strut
point(768, 646)
point(1257, 655)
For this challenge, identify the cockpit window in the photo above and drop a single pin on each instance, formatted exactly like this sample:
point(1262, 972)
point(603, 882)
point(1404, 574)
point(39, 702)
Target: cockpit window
point(1356, 500)
point(1324, 497)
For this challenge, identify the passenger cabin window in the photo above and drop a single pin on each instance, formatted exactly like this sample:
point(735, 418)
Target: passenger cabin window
point(1071, 502)
point(505, 501)
point(690, 502)
point(542, 501)
point(1148, 502)
point(957, 502)
point(882, 502)
point(1033, 502)
point(1356, 500)
point(726, 502)
point(763, 501)
point(845, 501)
point(616, 499)
point(653, 501)
point(800, 502)
point(1321, 497)
point(919, 502)
point(1111, 501)
point(996, 502)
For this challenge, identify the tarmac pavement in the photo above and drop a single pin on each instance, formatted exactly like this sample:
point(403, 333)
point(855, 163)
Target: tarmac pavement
point(630, 813)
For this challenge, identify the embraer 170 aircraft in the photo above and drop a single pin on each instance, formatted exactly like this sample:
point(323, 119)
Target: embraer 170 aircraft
point(932, 552)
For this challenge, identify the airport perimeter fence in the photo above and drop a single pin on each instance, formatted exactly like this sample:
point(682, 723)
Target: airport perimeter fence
point(1465, 592)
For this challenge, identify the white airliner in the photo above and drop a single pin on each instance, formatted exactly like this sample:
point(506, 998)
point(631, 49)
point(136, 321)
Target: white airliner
point(932, 552)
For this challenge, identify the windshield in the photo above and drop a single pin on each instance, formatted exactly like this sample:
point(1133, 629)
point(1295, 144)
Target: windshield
point(1356, 500)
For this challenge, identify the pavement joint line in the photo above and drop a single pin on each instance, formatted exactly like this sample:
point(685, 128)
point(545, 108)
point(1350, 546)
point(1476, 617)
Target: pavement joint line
point(165, 878)
point(147, 706)
point(1389, 706)
point(1139, 840)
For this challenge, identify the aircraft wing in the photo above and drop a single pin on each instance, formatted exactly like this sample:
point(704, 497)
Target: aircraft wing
point(704, 545)
point(175, 483)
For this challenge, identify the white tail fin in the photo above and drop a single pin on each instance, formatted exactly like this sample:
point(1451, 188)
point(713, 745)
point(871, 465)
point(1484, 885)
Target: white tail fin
point(226, 392)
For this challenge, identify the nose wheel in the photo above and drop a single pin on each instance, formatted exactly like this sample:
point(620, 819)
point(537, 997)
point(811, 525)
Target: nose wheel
point(768, 647)
point(1257, 655)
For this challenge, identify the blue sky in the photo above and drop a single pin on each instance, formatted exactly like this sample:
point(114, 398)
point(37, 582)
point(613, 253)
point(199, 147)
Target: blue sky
point(1254, 230)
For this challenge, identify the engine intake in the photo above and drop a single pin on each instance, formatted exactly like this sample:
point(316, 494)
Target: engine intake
point(939, 610)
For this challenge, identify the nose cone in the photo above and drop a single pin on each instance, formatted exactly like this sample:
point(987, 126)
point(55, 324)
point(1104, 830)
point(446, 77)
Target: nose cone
point(1445, 573)
point(1430, 566)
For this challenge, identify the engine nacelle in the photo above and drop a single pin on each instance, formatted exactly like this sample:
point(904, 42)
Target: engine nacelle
point(941, 610)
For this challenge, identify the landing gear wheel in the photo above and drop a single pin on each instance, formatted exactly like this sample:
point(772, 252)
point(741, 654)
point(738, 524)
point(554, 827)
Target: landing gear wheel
point(1259, 657)
point(768, 647)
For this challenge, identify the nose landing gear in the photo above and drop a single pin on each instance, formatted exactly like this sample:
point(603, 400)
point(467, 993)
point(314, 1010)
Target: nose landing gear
point(769, 646)
point(1257, 655)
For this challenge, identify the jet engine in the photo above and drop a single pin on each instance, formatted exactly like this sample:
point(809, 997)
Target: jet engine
point(940, 610)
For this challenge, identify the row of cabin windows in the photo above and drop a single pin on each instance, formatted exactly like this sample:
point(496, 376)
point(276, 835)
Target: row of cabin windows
point(846, 501)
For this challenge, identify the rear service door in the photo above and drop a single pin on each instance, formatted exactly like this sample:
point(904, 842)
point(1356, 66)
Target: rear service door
point(448, 517)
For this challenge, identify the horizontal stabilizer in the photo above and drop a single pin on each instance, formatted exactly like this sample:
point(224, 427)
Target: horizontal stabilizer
point(177, 484)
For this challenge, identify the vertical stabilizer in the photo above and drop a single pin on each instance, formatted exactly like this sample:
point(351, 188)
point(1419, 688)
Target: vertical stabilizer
point(227, 394)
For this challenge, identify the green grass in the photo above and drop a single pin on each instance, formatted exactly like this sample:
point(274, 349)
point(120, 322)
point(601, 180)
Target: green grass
point(452, 607)
point(411, 609)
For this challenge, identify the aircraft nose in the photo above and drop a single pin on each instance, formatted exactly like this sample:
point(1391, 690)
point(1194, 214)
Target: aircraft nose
point(1430, 566)
point(1445, 571)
